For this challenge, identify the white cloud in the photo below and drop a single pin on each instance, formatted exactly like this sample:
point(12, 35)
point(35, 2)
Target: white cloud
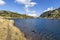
point(2, 2)
point(49, 9)
point(34, 15)
point(27, 4)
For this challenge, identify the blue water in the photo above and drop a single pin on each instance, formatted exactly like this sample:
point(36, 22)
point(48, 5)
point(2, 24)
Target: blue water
point(39, 29)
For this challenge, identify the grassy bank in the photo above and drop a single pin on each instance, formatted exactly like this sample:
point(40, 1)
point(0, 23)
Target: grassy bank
point(8, 31)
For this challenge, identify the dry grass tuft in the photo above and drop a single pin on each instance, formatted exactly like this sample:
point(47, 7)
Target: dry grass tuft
point(9, 32)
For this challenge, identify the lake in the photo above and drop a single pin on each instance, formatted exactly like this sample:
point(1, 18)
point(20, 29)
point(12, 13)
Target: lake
point(39, 28)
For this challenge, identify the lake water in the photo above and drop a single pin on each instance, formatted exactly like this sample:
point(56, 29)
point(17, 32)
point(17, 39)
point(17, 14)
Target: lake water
point(39, 29)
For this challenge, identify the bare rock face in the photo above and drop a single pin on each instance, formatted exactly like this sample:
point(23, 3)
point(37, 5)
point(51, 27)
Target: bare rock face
point(9, 32)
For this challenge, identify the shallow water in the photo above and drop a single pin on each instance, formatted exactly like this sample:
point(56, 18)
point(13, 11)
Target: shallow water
point(39, 29)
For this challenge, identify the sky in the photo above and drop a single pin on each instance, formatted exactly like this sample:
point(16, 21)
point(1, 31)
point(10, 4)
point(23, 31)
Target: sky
point(30, 7)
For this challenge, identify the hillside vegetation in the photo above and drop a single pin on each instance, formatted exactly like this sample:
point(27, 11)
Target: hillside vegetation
point(9, 14)
point(54, 14)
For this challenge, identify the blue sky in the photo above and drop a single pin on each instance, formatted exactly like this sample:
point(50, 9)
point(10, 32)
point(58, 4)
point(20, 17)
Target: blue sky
point(29, 6)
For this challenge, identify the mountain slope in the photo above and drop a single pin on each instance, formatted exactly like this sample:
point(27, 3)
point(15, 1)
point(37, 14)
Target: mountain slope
point(9, 14)
point(54, 14)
